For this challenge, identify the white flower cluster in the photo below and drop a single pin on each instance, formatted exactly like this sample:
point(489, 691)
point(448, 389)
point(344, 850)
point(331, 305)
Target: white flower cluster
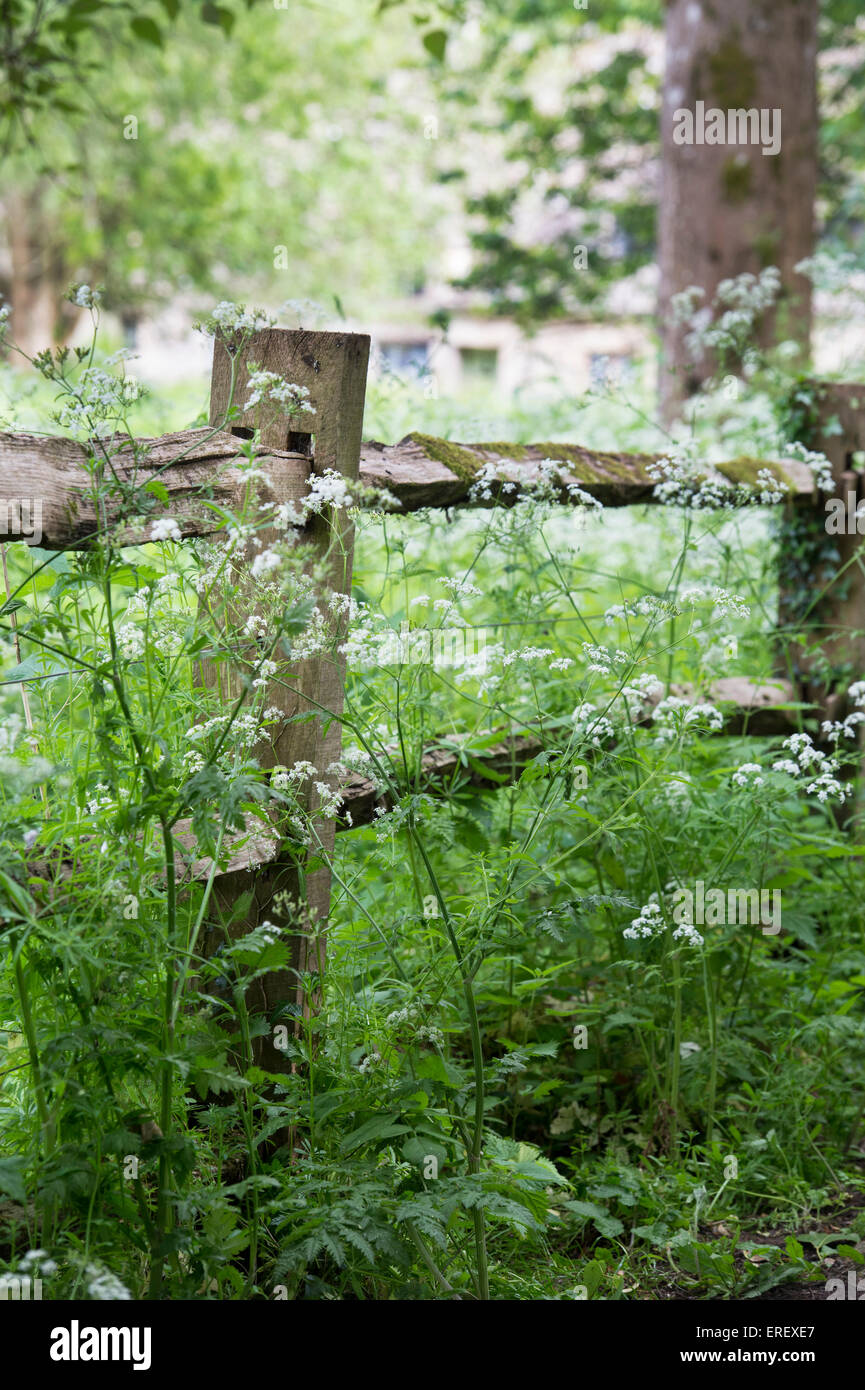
point(601, 660)
point(285, 778)
point(489, 473)
point(371, 1060)
point(818, 463)
point(678, 483)
point(638, 693)
point(590, 726)
point(100, 799)
point(268, 932)
point(407, 1019)
point(547, 485)
point(103, 1286)
point(673, 715)
point(834, 730)
point(83, 296)
point(687, 932)
point(153, 605)
point(37, 1259)
point(527, 654)
point(813, 766)
point(130, 641)
point(264, 385)
point(228, 318)
point(166, 529)
point(646, 607)
point(244, 734)
point(461, 588)
point(723, 603)
point(748, 775)
point(10, 732)
point(265, 563)
point(727, 326)
point(649, 923)
point(768, 489)
point(327, 489)
point(94, 405)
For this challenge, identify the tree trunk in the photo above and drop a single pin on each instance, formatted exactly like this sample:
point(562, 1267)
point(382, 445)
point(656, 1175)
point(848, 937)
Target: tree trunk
point(32, 298)
point(729, 208)
point(41, 317)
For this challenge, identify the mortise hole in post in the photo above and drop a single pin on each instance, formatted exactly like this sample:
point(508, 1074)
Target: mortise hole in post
point(242, 431)
point(298, 442)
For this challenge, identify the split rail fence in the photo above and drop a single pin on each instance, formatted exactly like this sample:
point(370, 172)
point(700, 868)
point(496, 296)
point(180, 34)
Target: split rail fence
point(420, 471)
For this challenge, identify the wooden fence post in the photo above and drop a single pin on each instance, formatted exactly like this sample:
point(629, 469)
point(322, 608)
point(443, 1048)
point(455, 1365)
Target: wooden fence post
point(818, 558)
point(333, 367)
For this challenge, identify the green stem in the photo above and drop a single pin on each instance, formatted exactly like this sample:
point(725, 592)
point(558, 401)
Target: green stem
point(166, 1087)
point(476, 1148)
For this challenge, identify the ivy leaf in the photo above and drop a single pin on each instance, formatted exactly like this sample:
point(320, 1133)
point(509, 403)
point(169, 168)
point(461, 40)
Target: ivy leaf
point(146, 29)
point(435, 42)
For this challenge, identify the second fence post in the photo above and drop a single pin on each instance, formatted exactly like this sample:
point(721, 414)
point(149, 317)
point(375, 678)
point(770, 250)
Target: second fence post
point(333, 368)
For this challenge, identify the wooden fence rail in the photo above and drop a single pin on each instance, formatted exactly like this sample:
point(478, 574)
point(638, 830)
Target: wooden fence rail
point(199, 468)
point(414, 471)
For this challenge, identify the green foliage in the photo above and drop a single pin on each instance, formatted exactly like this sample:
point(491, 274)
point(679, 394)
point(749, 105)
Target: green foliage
point(496, 1092)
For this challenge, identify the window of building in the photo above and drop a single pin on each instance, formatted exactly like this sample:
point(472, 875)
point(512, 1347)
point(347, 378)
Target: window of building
point(405, 359)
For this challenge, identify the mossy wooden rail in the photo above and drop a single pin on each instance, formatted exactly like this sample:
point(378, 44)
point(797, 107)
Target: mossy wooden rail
point(199, 468)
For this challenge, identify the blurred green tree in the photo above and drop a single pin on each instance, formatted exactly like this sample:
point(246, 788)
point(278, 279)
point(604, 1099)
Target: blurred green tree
point(278, 165)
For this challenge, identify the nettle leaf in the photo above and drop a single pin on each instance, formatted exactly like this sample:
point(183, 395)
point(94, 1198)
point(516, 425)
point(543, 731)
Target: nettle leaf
point(601, 1219)
point(146, 29)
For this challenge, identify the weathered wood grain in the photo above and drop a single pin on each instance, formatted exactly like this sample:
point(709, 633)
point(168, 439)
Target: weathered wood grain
point(198, 470)
point(333, 369)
